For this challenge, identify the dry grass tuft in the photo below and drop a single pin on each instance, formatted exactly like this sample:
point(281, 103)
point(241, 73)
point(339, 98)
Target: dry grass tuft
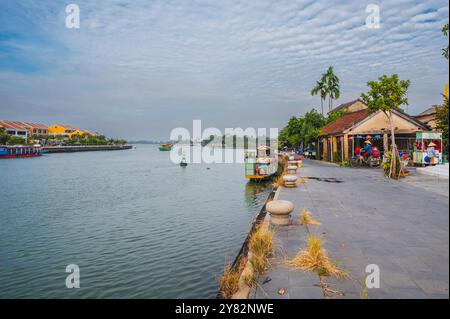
point(306, 219)
point(314, 258)
point(301, 181)
point(250, 279)
point(261, 248)
point(364, 293)
point(229, 282)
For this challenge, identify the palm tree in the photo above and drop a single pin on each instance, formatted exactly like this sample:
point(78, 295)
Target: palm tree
point(332, 86)
point(320, 89)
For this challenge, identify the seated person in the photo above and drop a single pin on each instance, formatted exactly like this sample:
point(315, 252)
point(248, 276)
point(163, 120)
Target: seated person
point(367, 148)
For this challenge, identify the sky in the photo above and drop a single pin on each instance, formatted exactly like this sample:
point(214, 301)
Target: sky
point(138, 69)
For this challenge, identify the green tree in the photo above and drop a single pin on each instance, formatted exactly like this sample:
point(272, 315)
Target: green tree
point(388, 94)
point(16, 140)
point(3, 136)
point(311, 125)
point(320, 89)
point(290, 134)
point(442, 114)
point(332, 86)
point(445, 50)
point(302, 130)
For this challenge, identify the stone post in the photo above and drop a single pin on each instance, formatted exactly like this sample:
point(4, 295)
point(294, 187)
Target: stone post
point(280, 212)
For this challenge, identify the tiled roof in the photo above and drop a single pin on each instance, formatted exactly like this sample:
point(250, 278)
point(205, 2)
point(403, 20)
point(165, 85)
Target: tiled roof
point(38, 126)
point(345, 122)
point(69, 127)
point(346, 105)
point(429, 111)
point(12, 125)
point(22, 125)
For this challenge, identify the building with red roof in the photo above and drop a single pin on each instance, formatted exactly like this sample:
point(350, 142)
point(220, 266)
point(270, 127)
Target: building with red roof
point(24, 129)
point(339, 139)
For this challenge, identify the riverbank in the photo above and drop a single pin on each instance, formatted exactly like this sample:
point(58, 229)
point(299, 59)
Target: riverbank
point(87, 148)
point(366, 219)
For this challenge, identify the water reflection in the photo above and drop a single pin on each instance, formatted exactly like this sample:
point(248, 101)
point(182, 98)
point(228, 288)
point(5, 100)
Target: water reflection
point(253, 192)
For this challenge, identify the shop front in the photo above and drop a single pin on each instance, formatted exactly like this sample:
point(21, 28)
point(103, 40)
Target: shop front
point(428, 148)
point(344, 139)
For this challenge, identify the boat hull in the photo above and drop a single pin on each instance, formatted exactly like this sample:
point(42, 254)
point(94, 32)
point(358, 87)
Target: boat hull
point(19, 155)
point(260, 178)
point(165, 149)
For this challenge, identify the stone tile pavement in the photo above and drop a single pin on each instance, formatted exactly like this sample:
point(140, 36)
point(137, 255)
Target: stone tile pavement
point(401, 226)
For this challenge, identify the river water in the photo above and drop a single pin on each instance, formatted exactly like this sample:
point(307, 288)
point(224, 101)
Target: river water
point(136, 224)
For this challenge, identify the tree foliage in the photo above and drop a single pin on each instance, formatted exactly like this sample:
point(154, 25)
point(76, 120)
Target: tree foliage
point(332, 84)
point(16, 140)
point(86, 139)
point(321, 89)
point(328, 86)
point(302, 131)
point(445, 50)
point(386, 94)
point(442, 114)
point(3, 136)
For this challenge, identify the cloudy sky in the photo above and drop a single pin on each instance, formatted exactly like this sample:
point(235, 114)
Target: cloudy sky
point(137, 69)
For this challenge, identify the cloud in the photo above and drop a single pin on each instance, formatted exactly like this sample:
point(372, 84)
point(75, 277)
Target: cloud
point(140, 68)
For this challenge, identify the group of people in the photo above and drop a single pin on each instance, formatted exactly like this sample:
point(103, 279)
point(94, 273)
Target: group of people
point(368, 150)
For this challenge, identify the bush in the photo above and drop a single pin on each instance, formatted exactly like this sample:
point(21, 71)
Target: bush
point(15, 140)
point(345, 164)
point(386, 164)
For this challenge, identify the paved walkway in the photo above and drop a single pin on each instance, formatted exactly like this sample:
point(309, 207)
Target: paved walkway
point(402, 226)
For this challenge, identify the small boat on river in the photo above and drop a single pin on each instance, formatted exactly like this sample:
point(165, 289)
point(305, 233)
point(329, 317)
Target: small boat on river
point(165, 147)
point(183, 162)
point(18, 151)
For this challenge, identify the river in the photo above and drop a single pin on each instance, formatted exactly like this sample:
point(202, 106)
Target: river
point(136, 224)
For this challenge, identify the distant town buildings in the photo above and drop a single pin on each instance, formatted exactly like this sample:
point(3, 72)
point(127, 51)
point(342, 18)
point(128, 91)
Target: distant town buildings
point(24, 129)
point(27, 129)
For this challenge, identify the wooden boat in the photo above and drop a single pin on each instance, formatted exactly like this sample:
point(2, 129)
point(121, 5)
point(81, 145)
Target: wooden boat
point(165, 147)
point(18, 151)
point(260, 165)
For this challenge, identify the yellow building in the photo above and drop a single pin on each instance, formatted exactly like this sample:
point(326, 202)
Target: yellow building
point(79, 132)
point(57, 129)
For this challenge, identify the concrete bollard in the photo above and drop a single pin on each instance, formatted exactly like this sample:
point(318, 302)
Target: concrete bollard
point(290, 181)
point(292, 170)
point(280, 212)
